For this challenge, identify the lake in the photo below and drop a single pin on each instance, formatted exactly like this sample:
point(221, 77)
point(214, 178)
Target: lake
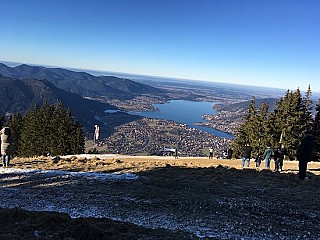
point(187, 112)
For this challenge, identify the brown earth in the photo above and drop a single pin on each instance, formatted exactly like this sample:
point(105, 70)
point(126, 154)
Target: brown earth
point(185, 198)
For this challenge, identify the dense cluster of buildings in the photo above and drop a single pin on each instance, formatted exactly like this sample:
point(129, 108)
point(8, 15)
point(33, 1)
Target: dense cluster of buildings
point(149, 136)
point(224, 121)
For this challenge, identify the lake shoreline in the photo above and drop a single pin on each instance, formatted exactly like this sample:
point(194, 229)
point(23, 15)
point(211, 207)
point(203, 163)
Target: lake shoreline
point(185, 112)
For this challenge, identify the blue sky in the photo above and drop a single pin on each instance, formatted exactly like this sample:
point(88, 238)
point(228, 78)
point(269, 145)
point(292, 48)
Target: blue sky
point(273, 43)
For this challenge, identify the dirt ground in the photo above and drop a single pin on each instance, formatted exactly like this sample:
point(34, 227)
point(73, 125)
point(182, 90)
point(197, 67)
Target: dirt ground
point(185, 198)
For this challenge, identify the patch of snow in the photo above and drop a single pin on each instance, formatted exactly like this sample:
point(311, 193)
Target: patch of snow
point(101, 156)
point(88, 175)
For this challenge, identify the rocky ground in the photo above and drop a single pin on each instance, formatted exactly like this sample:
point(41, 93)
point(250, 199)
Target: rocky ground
point(156, 198)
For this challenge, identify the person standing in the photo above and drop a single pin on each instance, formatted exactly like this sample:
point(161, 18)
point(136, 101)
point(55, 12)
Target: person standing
point(284, 153)
point(176, 153)
point(278, 159)
point(6, 146)
point(210, 153)
point(305, 154)
point(229, 153)
point(246, 155)
point(276, 156)
point(268, 153)
point(258, 160)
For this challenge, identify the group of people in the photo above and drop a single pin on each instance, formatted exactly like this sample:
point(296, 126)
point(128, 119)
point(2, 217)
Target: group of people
point(6, 141)
point(304, 155)
point(227, 154)
point(278, 156)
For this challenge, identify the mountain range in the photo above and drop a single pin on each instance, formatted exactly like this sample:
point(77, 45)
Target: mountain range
point(18, 96)
point(81, 83)
point(23, 86)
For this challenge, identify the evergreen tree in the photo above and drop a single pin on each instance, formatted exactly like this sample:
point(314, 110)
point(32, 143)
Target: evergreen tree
point(253, 130)
point(283, 127)
point(77, 140)
point(293, 111)
point(317, 132)
point(31, 139)
point(307, 107)
point(68, 136)
point(288, 122)
point(46, 114)
point(277, 122)
point(246, 132)
point(261, 129)
point(60, 127)
point(15, 124)
point(240, 140)
point(298, 123)
point(50, 129)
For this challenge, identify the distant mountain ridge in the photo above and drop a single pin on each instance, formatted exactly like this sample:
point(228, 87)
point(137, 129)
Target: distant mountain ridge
point(18, 96)
point(243, 106)
point(81, 83)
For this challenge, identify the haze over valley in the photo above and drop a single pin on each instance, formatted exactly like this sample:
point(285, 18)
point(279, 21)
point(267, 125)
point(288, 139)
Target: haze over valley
point(88, 96)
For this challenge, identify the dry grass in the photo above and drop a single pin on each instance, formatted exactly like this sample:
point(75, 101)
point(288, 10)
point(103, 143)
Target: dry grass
point(125, 163)
point(215, 197)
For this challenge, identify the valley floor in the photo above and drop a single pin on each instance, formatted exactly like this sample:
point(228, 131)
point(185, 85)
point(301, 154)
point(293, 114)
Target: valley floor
point(185, 198)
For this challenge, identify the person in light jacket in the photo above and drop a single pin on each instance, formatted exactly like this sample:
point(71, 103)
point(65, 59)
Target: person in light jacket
point(6, 146)
point(268, 153)
point(210, 152)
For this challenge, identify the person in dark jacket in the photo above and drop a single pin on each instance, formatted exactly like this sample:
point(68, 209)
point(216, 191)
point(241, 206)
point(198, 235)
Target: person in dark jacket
point(229, 153)
point(305, 154)
point(258, 160)
point(246, 155)
point(284, 152)
point(176, 153)
point(278, 159)
point(276, 155)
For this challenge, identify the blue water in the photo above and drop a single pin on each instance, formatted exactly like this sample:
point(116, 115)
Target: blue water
point(187, 112)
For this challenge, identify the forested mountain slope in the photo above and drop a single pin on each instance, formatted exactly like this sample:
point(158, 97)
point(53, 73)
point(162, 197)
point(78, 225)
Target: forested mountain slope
point(81, 83)
point(17, 96)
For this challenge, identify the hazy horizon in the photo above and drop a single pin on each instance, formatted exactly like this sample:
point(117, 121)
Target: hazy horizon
point(247, 42)
point(140, 77)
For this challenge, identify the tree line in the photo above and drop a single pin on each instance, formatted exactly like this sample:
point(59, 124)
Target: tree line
point(285, 126)
point(49, 129)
